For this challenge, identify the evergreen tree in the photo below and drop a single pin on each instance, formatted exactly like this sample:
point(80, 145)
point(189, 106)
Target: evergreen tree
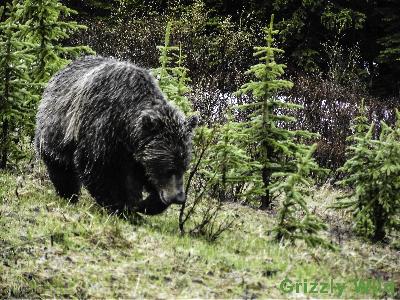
point(274, 145)
point(227, 167)
point(373, 173)
point(360, 124)
point(17, 103)
point(30, 53)
point(48, 28)
point(295, 221)
point(172, 75)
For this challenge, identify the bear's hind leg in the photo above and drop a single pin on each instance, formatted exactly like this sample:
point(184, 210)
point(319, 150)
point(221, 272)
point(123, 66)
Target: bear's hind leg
point(65, 181)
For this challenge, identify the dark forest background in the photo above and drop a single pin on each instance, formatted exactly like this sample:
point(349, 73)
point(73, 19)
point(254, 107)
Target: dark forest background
point(365, 31)
point(336, 52)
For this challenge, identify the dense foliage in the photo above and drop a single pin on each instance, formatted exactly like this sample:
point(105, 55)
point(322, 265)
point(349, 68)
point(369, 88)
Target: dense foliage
point(31, 36)
point(47, 29)
point(373, 173)
point(295, 221)
point(17, 92)
point(369, 26)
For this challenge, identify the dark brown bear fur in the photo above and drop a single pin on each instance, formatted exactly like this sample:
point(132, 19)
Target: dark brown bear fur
point(105, 124)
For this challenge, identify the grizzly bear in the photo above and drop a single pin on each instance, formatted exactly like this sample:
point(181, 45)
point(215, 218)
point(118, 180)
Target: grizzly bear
point(105, 124)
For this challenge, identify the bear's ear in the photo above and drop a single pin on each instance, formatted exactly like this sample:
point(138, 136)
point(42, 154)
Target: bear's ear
point(191, 123)
point(149, 122)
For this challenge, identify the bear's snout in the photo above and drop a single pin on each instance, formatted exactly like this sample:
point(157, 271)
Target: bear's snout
point(180, 198)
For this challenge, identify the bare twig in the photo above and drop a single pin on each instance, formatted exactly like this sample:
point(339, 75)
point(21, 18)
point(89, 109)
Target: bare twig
point(193, 172)
point(19, 184)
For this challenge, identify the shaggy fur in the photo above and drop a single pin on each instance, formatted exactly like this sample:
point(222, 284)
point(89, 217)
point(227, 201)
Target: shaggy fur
point(105, 124)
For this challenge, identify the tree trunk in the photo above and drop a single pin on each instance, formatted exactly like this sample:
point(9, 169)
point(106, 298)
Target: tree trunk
point(4, 150)
point(3, 107)
point(266, 199)
point(379, 222)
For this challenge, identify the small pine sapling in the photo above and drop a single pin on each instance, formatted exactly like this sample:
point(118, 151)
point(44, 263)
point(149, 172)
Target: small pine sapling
point(172, 75)
point(373, 173)
point(275, 146)
point(360, 125)
point(227, 166)
point(295, 221)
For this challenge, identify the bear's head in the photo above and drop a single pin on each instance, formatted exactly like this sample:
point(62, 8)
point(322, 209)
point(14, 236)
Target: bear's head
point(167, 150)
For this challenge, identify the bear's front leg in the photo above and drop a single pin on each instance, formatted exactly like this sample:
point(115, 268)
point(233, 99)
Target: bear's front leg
point(112, 189)
point(152, 205)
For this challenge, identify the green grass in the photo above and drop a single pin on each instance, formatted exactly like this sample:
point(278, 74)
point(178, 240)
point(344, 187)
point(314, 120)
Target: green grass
point(50, 248)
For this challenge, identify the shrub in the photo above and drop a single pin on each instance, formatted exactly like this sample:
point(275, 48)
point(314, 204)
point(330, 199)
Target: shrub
point(373, 173)
point(295, 221)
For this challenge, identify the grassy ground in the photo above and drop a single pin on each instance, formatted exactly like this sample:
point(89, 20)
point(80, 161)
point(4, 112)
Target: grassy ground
point(49, 248)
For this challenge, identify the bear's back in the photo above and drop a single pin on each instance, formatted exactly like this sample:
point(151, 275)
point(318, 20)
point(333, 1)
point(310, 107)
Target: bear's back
point(88, 90)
